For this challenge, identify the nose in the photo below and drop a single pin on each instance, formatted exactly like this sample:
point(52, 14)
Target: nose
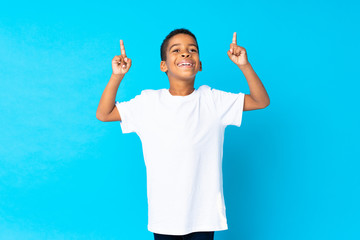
point(185, 55)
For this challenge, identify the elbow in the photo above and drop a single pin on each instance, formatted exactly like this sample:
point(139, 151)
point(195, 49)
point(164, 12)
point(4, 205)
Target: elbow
point(100, 116)
point(258, 103)
point(265, 104)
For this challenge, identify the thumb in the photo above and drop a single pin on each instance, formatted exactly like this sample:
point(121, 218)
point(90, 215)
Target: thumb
point(229, 54)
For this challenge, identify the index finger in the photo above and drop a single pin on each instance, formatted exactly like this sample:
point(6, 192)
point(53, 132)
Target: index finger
point(122, 48)
point(234, 38)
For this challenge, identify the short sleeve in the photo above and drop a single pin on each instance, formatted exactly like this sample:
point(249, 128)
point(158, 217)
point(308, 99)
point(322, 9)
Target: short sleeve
point(229, 106)
point(131, 114)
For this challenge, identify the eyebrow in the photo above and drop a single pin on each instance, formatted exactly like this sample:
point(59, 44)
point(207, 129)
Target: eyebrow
point(176, 44)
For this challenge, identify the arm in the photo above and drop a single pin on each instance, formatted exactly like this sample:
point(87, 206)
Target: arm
point(107, 110)
point(258, 97)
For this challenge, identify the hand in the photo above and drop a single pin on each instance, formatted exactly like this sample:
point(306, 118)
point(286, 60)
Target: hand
point(237, 54)
point(121, 64)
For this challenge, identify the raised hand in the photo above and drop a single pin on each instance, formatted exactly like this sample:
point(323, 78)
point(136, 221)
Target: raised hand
point(121, 64)
point(237, 54)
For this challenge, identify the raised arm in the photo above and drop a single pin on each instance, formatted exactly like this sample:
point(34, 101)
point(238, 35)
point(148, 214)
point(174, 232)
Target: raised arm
point(258, 97)
point(106, 110)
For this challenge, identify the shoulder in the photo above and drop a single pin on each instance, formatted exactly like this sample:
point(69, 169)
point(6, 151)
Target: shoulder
point(221, 96)
point(150, 92)
point(217, 92)
point(205, 89)
point(148, 95)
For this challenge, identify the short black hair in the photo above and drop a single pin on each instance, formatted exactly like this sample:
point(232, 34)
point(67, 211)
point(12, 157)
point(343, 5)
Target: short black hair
point(165, 43)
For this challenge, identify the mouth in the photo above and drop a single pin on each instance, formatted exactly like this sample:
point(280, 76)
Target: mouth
point(186, 65)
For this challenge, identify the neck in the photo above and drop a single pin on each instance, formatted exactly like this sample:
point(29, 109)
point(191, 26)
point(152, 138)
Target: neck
point(181, 91)
point(181, 88)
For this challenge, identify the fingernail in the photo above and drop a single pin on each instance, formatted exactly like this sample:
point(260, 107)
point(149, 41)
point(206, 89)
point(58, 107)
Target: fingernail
point(125, 59)
point(231, 50)
point(123, 66)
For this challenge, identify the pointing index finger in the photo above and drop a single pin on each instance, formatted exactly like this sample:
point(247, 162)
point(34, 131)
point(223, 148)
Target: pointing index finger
point(234, 38)
point(122, 48)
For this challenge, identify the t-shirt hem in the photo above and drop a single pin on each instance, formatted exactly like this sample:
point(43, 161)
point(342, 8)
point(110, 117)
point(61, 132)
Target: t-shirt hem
point(187, 231)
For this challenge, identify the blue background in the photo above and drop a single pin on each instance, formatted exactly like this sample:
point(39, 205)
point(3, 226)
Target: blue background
point(291, 171)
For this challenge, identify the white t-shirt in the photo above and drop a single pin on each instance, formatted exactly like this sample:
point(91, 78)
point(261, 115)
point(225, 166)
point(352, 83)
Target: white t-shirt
point(182, 139)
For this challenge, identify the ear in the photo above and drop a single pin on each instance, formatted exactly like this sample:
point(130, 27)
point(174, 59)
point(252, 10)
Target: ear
point(163, 66)
point(200, 69)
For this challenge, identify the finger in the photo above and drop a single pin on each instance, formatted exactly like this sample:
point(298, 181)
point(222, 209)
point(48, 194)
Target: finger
point(242, 50)
point(232, 47)
point(122, 63)
point(238, 51)
point(128, 63)
point(122, 48)
point(234, 38)
point(125, 63)
point(117, 59)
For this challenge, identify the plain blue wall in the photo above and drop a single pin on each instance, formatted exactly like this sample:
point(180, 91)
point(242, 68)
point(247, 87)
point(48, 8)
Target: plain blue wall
point(291, 171)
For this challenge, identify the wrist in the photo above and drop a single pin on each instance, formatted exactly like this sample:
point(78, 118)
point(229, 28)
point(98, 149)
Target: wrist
point(117, 76)
point(244, 66)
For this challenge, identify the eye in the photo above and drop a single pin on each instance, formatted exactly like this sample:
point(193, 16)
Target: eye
point(176, 50)
point(193, 50)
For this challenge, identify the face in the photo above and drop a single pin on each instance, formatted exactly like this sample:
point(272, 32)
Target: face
point(182, 58)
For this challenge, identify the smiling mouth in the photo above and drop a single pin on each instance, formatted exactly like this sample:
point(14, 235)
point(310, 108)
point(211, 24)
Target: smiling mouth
point(186, 65)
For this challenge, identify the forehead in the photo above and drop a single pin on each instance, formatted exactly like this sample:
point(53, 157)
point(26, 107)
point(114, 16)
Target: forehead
point(182, 39)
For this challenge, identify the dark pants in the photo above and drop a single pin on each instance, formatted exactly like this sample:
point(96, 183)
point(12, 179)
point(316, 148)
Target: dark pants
point(190, 236)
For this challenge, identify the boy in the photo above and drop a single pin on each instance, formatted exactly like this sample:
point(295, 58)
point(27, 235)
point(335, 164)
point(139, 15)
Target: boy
point(182, 134)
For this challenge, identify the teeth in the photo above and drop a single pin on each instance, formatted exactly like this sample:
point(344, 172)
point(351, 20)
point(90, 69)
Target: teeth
point(185, 64)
